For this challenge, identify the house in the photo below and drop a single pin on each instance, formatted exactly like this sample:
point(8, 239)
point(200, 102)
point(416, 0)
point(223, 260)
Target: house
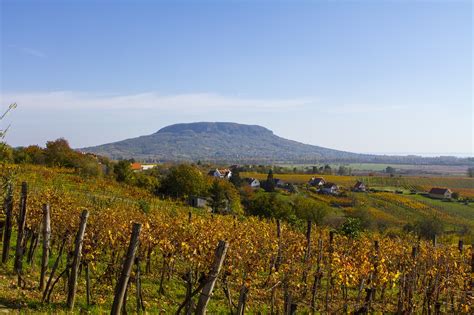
point(148, 166)
point(221, 173)
point(440, 193)
point(197, 202)
point(359, 187)
point(136, 167)
point(252, 182)
point(316, 181)
point(329, 188)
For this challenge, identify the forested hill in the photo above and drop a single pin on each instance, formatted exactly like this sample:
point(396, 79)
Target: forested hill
point(232, 142)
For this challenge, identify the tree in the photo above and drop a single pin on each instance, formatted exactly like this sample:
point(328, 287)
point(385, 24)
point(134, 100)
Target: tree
point(21, 156)
point(218, 200)
point(429, 227)
point(390, 170)
point(224, 197)
point(327, 169)
point(235, 178)
point(184, 181)
point(145, 181)
point(344, 170)
point(272, 205)
point(308, 209)
point(269, 184)
point(35, 154)
point(123, 171)
point(6, 152)
point(470, 172)
point(59, 153)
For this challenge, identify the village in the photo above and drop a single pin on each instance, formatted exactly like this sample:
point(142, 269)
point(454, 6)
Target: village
point(314, 185)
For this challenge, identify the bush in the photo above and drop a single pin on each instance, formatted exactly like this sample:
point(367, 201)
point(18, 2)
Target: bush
point(271, 205)
point(308, 209)
point(429, 227)
point(352, 227)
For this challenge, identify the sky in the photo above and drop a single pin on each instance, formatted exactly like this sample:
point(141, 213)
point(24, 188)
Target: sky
point(361, 76)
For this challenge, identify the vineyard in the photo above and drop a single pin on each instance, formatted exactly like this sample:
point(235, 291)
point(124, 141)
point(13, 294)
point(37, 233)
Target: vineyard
point(73, 242)
point(390, 208)
point(463, 185)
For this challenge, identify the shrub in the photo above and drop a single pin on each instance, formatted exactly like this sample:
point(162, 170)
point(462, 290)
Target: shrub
point(352, 227)
point(429, 227)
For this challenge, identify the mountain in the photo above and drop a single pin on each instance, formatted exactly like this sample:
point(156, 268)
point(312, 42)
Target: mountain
point(226, 142)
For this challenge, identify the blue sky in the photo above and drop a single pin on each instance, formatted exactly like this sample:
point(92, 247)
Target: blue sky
point(362, 76)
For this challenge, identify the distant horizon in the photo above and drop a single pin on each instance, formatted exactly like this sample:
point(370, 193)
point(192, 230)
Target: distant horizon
point(426, 154)
point(420, 154)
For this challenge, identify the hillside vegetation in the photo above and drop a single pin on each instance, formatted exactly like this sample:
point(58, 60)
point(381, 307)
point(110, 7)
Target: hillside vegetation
point(385, 208)
point(265, 267)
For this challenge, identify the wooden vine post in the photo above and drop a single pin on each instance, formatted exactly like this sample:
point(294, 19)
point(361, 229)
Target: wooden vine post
point(21, 232)
point(46, 232)
point(242, 299)
point(122, 284)
point(329, 267)
point(206, 292)
point(307, 256)
point(8, 223)
point(76, 261)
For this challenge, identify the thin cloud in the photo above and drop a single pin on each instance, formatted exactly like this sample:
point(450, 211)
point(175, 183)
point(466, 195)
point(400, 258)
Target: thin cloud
point(361, 109)
point(29, 51)
point(194, 102)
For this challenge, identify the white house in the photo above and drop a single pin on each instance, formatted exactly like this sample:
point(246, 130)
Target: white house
point(252, 182)
point(440, 193)
point(317, 181)
point(221, 173)
point(148, 166)
point(330, 188)
point(359, 187)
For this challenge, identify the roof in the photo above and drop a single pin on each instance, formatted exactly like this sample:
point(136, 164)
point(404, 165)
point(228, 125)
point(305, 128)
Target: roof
point(136, 166)
point(316, 180)
point(250, 180)
point(359, 184)
point(222, 170)
point(439, 191)
point(329, 185)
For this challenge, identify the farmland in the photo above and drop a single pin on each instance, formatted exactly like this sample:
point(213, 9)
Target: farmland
point(390, 208)
point(260, 267)
point(405, 169)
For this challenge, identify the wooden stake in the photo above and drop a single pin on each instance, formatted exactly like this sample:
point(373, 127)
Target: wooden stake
point(242, 300)
point(76, 261)
point(46, 246)
point(206, 292)
point(18, 266)
point(8, 223)
point(122, 284)
point(55, 266)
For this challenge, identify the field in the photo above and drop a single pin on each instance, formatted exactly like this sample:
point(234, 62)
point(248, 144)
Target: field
point(265, 267)
point(463, 185)
point(389, 209)
point(428, 170)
